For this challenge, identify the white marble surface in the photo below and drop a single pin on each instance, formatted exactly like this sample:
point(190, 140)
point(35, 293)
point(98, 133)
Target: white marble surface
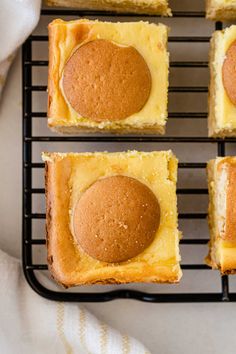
point(163, 328)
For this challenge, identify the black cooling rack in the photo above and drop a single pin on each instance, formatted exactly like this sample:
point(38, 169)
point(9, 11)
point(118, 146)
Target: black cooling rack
point(29, 241)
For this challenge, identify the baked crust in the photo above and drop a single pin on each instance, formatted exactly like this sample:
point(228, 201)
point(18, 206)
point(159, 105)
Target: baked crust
point(222, 112)
point(229, 164)
point(220, 10)
point(222, 214)
point(212, 129)
point(66, 175)
point(149, 40)
point(154, 129)
point(158, 7)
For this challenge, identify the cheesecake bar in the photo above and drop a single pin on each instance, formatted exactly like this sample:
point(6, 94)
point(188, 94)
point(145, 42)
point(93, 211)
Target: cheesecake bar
point(107, 77)
point(112, 217)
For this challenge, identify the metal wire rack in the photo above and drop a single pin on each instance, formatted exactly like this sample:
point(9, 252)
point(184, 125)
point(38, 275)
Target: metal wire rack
point(29, 241)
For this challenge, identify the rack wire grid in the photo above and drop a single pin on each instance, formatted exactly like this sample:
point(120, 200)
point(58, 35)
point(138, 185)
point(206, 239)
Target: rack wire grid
point(159, 293)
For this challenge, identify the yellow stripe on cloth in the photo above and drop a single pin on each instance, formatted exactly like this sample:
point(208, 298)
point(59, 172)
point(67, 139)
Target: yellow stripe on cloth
point(125, 344)
point(83, 328)
point(60, 327)
point(103, 338)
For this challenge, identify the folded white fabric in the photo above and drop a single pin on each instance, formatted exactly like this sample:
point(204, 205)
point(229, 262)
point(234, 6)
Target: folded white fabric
point(30, 324)
point(18, 18)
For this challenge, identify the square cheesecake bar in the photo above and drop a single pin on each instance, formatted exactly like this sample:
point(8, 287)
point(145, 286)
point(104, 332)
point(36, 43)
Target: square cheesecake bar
point(157, 7)
point(222, 92)
point(220, 10)
point(222, 214)
point(109, 77)
point(112, 217)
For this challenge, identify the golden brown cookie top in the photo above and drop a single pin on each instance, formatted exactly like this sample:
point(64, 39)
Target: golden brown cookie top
point(106, 81)
point(229, 73)
point(116, 219)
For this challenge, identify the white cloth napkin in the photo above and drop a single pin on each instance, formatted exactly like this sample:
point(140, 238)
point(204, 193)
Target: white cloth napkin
point(18, 18)
point(31, 324)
